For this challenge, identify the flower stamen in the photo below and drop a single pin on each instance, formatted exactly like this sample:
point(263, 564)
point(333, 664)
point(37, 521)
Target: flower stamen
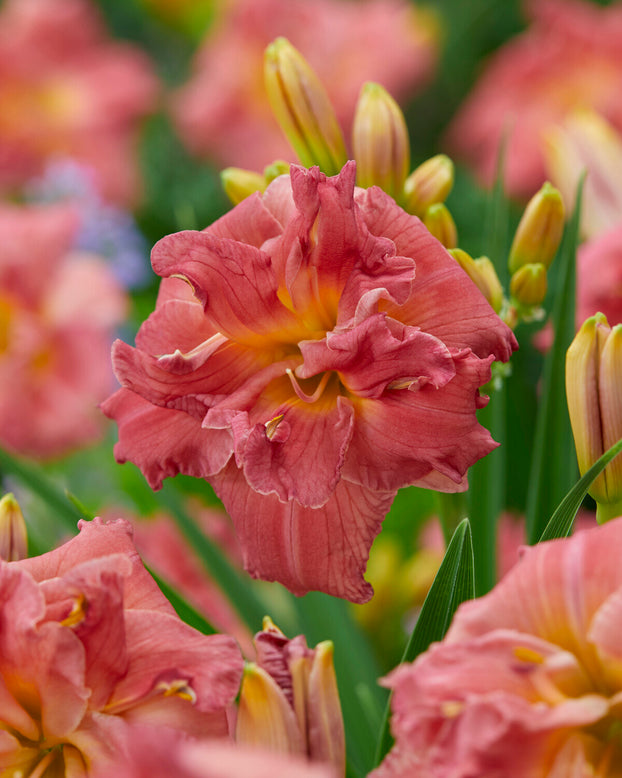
point(308, 398)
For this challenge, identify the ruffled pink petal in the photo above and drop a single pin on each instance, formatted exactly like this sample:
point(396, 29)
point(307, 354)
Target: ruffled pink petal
point(94, 589)
point(234, 281)
point(411, 436)
point(469, 321)
point(100, 539)
point(301, 458)
point(175, 324)
point(165, 653)
point(43, 662)
point(304, 548)
point(168, 383)
point(552, 592)
point(376, 353)
point(251, 222)
point(164, 442)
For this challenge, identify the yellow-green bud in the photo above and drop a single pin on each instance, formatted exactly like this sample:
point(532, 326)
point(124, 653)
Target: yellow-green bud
point(528, 285)
point(239, 183)
point(380, 141)
point(13, 535)
point(540, 230)
point(483, 274)
point(440, 223)
point(277, 168)
point(302, 108)
point(429, 183)
point(594, 394)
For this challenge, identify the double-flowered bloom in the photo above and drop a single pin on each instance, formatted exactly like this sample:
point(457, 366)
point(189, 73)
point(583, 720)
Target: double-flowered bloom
point(311, 352)
point(528, 681)
point(89, 649)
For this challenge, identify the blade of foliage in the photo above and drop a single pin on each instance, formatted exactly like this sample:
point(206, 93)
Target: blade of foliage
point(487, 478)
point(238, 589)
point(184, 610)
point(34, 478)
point(553, 459)
point(560, 524)
point(454, 583)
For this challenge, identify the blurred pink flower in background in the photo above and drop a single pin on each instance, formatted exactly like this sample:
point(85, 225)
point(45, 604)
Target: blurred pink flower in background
point(68, 90)
point(599, 277)
point(569, 58)
point(325, 352)
point(166, 754)
point(58, 311)
point(89, 646)
point(169, 554)
point(528, 680)
point(223, 113)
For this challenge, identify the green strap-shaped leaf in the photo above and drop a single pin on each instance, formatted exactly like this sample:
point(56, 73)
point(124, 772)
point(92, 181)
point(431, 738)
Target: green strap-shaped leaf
point(553, 459)
point(454, 583)
point(560, 524)
point(34, 478)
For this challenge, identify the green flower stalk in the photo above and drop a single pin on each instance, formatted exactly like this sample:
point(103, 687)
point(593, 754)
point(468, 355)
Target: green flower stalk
point(303, 109)
point(380, 141)
point(594, 394)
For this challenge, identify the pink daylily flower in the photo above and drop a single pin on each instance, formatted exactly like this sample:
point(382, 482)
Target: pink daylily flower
point(325, 351)
point(58, 311)
point(222, 112)
point(89, 647)
point(569, 58)
point(67, 90)
point(527, 681)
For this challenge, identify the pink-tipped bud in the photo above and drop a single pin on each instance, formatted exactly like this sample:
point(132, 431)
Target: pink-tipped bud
point(594, 394)
point(380, 141)
point(13, 535)
point(289, 699)
point(239, 183)
point(441, 224)
point(302, 108)
point(528, 285)
point(540, 230)
point(429, 183)
point(483, 274)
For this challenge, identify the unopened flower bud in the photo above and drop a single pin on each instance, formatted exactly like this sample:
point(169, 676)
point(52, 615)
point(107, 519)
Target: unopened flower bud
point(528, 285)
point(440, 223)
point(275, 169)
point(302, 108)
point(380, 141)
point(13, 535)
point(594, 393)
point(239, 183)
point(265, 717)
point(289, 699)
point(429, 183)
point(483, 274)
point(540, 230)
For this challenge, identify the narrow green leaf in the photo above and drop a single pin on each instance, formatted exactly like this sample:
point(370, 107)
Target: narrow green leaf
point(560, 523)
point(236, 585)
point(554, 466)
point(454, 583)
point(184, 610)
point(34, 478)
